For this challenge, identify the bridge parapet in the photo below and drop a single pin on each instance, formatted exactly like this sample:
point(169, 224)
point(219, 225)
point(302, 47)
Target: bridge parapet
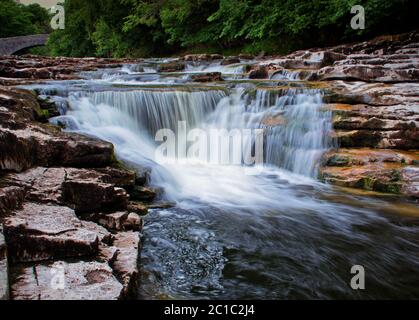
point(9, 46)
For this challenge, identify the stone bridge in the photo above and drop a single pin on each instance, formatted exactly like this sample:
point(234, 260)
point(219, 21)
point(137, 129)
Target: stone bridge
point(9, 46)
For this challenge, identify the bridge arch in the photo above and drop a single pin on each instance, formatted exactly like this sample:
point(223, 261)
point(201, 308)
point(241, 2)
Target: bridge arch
point(9, 46)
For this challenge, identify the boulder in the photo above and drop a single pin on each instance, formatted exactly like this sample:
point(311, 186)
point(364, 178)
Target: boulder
point(126, 263)
point(41, 232)
point(66, 281)
point(4, 272)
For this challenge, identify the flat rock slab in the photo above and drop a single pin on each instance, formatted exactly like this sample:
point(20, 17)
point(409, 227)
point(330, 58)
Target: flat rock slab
point(4, 274)
point(41, 232)
point(66, 281)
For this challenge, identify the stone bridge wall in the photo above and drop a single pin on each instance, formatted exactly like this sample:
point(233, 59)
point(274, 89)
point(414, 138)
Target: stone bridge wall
point(9, 46)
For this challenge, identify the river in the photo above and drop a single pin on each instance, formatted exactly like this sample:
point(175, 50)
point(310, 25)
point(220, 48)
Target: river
point(239, 231)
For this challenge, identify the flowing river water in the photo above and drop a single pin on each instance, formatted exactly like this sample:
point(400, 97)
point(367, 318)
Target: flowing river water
point(237, 231)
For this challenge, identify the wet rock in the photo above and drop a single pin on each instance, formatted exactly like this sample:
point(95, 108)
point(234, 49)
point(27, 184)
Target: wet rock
point(126, 264)
point(207, 77)
point(119, 221)
point(260, 73)
point(216, 56)
point(137, 208)
point(373, 123)
point(379, 178)
point(143, 194)
point(202, 57)
point(133, 222)
point(246, 56)
point(85, 192)
point(66, 281)
point(368, 73)
point(381, 170)
point(11, 198)
point(120, 178)
point(161, 205)
point(4, 271)
point(112, 221)
point(410, 176)
point(176, 66)
point(42, 232)
point(230, 60)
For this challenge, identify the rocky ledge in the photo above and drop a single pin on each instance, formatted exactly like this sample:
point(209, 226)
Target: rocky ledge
point(16, 70)
point(372, 90)
point(70, 215)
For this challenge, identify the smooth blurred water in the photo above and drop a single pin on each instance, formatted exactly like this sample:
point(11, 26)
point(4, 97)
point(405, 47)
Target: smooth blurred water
point(240, 232)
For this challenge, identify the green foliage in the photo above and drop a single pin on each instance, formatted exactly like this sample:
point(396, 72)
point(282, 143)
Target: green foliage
point(18, 20)
point(161, 27)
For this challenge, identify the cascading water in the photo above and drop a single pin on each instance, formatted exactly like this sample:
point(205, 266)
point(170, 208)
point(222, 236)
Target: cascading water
point(237, 231)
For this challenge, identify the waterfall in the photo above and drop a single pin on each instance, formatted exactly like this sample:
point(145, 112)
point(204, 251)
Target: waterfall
point(155, 110)
point(296, 128)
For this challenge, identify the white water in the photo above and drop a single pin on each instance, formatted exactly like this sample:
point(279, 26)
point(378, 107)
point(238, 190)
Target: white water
point(130, 119)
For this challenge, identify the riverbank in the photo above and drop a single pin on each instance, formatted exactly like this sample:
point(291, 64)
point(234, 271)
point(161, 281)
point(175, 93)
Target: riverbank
point(67, 203)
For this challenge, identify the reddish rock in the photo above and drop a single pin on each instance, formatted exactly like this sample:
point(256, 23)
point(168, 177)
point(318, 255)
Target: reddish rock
point(176, 66)
point(66, 281)
point(410, 176)
point(207, 77)
point(4, 271)
point(260, 73)
point(126, 264)
point(92, 195)
point(230, 60)
point(11, 198)
point(43, 232)
point(138, 208)
point(119, 221)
